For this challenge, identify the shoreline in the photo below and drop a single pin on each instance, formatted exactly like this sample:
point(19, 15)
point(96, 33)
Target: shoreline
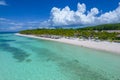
point(99, 45)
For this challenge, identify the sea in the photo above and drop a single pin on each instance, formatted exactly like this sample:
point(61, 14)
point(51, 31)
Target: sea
point(23, 58)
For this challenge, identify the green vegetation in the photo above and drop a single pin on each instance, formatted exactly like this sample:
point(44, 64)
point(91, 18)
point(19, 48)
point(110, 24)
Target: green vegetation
point(85, 33)
point(61, 32)
point(103, 27)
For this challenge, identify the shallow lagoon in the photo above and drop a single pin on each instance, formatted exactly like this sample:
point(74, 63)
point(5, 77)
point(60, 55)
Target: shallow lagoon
point(24, 58)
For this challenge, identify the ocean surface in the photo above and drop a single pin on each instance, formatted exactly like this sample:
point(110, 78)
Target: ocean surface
point(23, 58)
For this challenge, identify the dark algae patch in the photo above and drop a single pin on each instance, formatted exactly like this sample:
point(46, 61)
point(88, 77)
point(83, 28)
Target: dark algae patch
point(28, 60)
point(5, 40)
point(70, 67)
point(17, 54)
point(47, 60)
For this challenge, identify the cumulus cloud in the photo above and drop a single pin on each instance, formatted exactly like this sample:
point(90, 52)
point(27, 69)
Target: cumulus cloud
point(65, 17)
point(111, 16)
point(3, 3)
point(81, 16)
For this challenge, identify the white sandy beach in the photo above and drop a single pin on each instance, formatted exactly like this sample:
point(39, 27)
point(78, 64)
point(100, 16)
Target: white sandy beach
point(100, 45)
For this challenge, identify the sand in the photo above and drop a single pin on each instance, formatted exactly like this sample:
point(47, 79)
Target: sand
point(99, 45)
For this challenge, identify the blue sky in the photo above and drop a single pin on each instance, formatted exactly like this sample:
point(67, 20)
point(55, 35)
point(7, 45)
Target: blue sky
point(26, 14)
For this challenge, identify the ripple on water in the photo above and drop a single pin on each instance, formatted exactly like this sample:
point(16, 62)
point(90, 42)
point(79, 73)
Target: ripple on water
point(73, 68)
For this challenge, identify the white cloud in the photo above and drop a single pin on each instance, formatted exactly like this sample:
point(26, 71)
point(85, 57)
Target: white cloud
point(3, 3)
point(14, 25)
point(65, 17)
point(111, 16)
point(15, 28)
point(1, 19)
point(9, 25)
point(81, 16)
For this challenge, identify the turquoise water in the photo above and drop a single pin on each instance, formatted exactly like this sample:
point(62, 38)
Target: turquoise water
point(24, 58)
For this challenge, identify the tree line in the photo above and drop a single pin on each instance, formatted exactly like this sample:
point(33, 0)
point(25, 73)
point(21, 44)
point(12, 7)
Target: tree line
point(103, 27)
point(77, 33)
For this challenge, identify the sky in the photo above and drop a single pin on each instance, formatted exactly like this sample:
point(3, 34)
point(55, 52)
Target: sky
point(18, 15)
